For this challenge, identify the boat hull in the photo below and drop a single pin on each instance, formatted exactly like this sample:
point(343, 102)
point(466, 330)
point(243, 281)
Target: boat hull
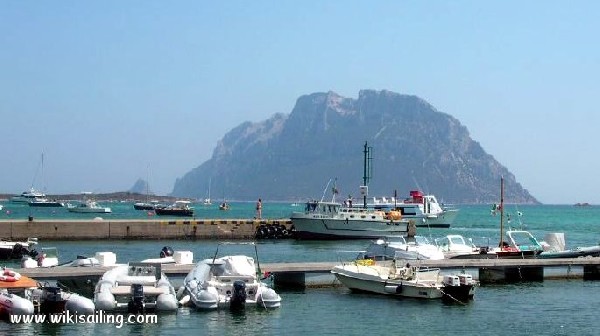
point(329, 228)
point(174, 212)
point(360, 281)
point(498, 255)
point(101, 210)
point(442, 221)
point(143, 206)
point(49, 204)
point(591, 251)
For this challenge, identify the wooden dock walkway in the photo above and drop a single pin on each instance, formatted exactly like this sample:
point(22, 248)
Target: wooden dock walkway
point(294, 274)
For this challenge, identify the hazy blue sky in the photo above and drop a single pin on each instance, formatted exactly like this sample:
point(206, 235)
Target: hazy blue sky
point(112, 91)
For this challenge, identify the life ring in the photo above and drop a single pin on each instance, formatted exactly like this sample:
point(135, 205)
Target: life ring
point(10, 276)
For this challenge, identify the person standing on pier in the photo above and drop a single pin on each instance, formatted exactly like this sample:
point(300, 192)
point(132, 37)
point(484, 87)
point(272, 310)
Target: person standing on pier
point(259, 209)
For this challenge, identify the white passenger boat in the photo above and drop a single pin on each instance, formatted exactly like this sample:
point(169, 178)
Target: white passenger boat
point(331, 220)
point(135, 288)
point(230, 282)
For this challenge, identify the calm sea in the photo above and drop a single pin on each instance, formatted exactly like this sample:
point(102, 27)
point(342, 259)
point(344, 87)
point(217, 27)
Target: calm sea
point(545, 308)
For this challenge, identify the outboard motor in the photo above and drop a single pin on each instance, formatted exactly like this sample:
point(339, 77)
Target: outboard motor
point(33, 253)
point(18, 251)
point(52, 301)
point(136, 304)
point(238, 297)
point(166, 251)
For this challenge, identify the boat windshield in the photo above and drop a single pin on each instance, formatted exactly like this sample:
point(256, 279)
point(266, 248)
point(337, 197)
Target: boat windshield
point(421, 240)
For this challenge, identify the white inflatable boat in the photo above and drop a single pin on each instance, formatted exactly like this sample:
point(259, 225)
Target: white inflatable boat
point(135, 288)
point(227, 282)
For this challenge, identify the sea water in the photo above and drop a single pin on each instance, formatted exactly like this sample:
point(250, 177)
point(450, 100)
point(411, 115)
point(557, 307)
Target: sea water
point(556, 307)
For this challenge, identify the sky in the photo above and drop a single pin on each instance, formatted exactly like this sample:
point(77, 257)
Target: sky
point(113, 91)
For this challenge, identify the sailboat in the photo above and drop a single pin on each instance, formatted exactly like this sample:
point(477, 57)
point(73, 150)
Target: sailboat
point(207, 200)
point(147, 205)
point(39, 199)
point(511, 249)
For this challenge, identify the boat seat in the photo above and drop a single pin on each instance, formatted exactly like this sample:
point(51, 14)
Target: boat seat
point(232, 278)
point(148, 290)
point(145, 280)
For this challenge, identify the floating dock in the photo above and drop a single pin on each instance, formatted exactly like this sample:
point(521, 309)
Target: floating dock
point(300, 274)
point(94, 229)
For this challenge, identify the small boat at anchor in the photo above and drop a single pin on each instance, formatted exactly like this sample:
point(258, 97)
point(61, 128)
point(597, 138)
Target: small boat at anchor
point(16, 249)
point(24, 296)
point(88, 206)
point(135, 288)
point(400, 278)
point(179, 208)
point(228, 282)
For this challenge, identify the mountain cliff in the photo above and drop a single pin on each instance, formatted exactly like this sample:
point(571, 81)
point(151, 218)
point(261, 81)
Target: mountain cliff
point(291, 157)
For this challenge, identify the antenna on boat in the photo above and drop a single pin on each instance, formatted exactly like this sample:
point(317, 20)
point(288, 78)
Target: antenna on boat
point(367, 171)
point(325, 190)
point(501, 211)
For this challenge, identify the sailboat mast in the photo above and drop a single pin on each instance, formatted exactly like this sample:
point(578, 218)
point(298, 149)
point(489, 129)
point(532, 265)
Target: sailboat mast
point(367, 171)
point(501, 211)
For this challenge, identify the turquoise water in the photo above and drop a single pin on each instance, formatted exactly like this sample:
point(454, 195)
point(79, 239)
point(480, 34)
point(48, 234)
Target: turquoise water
point(558, 307)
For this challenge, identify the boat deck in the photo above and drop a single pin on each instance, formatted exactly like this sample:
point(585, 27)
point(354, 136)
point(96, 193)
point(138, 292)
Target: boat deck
point(24, 282)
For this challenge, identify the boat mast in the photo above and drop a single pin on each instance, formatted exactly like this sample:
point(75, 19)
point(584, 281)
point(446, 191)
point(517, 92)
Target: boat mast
point(501, 211)
point(367, 171)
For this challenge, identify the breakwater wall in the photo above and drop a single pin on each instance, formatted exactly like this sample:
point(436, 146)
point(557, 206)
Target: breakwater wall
point(137, 229)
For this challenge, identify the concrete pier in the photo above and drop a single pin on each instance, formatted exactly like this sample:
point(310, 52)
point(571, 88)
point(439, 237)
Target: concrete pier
point(135, 229)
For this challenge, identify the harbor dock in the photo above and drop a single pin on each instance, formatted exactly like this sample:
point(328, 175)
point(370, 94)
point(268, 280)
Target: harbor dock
point(299, 274)
point(94, 229)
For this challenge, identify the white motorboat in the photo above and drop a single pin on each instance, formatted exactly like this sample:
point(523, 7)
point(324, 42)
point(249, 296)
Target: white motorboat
point(424, 209)
point(405, 280)
point(10, 249)
point(88, 206)
point(46, 257)
point(28, 196)
point(230, 282)
point(397, 247)
point(554, 247)
point(455, 246)
point(135, 288)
